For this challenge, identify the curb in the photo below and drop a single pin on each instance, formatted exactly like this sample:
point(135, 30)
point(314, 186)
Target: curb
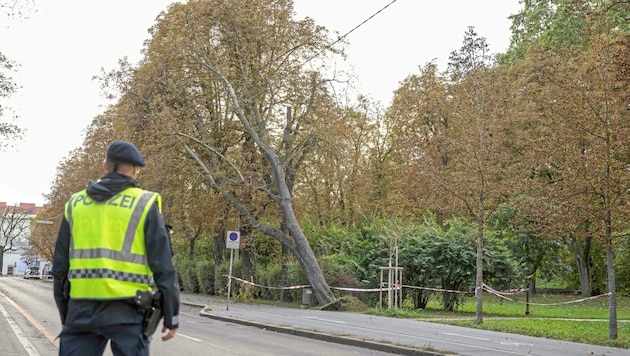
point(366, 344)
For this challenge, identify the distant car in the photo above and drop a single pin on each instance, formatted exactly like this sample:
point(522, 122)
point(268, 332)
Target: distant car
point(31, 274)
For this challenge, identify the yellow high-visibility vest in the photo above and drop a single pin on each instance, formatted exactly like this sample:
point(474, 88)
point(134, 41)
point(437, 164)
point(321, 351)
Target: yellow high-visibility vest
point(107, 251)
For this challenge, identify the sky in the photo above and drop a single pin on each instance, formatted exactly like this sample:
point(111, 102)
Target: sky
point(64, 43)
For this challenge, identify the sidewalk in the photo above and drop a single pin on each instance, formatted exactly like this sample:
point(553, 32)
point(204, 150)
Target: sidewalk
point(311, 323)
point(393, 335)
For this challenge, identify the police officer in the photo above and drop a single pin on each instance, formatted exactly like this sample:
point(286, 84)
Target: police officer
point(111, 245)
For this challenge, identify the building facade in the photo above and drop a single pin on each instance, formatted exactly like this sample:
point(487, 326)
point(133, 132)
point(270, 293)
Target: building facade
point(15, 230)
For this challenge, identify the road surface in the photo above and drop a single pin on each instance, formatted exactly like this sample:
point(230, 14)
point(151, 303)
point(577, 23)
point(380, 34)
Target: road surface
point(29, 324)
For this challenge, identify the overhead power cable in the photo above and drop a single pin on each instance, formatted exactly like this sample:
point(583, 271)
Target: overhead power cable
point(349, 32)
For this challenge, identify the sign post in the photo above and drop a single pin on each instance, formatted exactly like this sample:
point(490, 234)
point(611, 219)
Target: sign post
point(232, 242)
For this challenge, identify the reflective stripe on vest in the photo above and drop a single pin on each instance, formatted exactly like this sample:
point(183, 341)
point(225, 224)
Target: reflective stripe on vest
point(107, 273)
point(124, 255)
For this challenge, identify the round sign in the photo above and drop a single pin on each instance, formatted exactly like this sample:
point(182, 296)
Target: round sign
point(233, 236)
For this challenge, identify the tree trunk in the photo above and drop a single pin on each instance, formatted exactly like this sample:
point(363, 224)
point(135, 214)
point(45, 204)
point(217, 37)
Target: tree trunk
point(307, 260)
point(218, 250)
point(248, 266)
point(191, 248)
point(300, 247)
point(612, 301)
point(582, 262)
point(532, 286)
point(479, 279)
point(610, 269)
point(284, 275)
point(449, 300)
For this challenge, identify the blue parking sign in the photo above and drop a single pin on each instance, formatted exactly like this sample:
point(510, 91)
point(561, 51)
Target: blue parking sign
point(233, 239)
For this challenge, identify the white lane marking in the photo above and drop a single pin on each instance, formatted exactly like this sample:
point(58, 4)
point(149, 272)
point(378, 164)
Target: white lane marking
point(188, 337)
point(18, 332)
point(468, 337)
point(510, 343)
point(320, 319)
point(52, 338)
point(208, 343)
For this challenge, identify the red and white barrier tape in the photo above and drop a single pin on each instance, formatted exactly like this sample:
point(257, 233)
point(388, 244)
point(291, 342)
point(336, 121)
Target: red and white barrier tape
point(308, 285)
point(500, 294)
point(366, 289)
point(435, 289)
point(492, 291)
point(261, 286)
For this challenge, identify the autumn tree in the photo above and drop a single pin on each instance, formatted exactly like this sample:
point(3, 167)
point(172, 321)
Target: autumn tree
point(44, 229)
point(16, 9)
point(81, 165)
point(471, 162)
point(418, 114)
point(14, 223)
point(579, 85)
point(584, 99)
point(214, 89)
point(8, 131)
point(347, 175)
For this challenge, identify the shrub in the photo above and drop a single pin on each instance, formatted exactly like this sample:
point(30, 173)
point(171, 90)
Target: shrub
point(224, 271)
point(346, 303)
point(188, 275)
point(205, 276)
point(269, 276)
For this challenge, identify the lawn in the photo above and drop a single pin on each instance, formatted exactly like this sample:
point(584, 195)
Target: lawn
point(562, 317)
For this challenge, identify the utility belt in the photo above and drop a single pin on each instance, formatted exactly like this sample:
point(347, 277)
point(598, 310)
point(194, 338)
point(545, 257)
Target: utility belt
point(151, 303)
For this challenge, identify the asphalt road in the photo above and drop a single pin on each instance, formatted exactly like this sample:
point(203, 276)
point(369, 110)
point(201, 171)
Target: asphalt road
point(208, 326)
point(410, 334)
point(29, 324)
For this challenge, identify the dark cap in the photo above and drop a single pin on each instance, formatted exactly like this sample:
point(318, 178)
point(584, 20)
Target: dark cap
point(124, 152)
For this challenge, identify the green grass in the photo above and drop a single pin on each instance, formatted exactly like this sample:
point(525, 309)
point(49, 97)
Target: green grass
point(589, 332)
point(585, 321)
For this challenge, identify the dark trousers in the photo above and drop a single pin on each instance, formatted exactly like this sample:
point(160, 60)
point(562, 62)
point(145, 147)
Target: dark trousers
point(125, 340)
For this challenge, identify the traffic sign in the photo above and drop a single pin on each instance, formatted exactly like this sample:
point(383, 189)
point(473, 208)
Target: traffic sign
point(233, 239)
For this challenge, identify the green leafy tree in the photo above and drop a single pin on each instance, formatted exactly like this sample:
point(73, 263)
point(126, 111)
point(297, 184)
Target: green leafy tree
point(529, 242)
point(440, 258)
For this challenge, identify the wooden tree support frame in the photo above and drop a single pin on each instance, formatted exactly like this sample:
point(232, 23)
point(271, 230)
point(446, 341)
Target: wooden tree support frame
point(394, 279)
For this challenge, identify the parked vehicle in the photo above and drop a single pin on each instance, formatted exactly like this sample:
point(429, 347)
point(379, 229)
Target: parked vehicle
point(47, 272)
point(32, 274)
point(33, 271)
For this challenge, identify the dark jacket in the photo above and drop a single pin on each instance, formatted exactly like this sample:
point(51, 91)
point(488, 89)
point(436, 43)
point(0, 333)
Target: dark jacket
point(95, 313)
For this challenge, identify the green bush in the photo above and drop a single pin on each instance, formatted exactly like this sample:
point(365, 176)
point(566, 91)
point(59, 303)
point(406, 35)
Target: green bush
point(269, 276)
point(296, 277)
point(188, 275)
point(340, 272)
point(224, 271)
point(205, 276)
